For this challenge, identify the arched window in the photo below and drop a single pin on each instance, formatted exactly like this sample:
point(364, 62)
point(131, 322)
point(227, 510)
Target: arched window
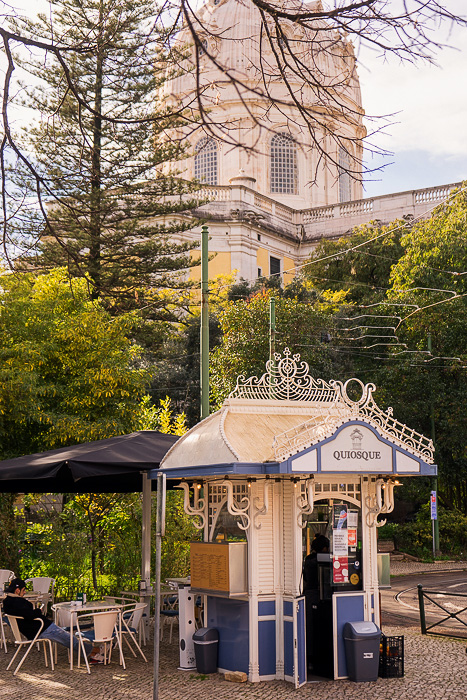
point(202, 48)
point(283, 164)
point(206, 161)
point(345, 190)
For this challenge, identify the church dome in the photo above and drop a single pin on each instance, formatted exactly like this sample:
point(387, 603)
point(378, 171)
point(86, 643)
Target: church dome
point(283, 122)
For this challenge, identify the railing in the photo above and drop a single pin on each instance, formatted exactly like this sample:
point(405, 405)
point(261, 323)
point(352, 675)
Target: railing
point(449, 615)
point(434, 194)
point(344, 214)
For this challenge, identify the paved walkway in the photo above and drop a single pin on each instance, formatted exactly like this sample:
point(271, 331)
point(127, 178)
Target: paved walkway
point(435, 669)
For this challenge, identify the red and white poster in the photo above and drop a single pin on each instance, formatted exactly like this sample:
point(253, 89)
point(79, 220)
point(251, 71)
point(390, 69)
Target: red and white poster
point(352, 538)
point(340, 569)
point(340, 560)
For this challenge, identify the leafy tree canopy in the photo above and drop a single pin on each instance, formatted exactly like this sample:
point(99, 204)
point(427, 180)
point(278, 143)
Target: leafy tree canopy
point(360, 263)
point(69, 371)
point(244, 350)
point(102, 182)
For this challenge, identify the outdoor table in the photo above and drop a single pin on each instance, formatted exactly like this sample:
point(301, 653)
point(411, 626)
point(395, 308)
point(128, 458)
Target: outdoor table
point(175, 581)
point(90, 607)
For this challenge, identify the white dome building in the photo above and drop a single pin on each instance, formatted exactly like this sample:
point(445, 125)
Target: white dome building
point(283, 131)
point(281, 159)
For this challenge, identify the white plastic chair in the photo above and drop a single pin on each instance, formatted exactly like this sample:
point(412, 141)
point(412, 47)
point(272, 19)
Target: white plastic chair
point(2, 629)
point(5, 577)
point(131, 621)
point(20, 642)
point(169, 612)
point(45, 586)
point(106, 628)
point(126, 601)
point(62, 615)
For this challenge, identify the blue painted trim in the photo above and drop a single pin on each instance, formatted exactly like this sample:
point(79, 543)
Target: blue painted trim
point(198, 471)
point(288, 648)
point(301, 643)
point(266, 607)
point(288, 608)
point(425, 468)
point(267, 647)
point(428, 469)
point(348, 609)
point(231, 619)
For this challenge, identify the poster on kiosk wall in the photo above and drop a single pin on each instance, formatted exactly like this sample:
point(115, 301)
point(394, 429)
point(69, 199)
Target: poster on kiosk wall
point(340, 544)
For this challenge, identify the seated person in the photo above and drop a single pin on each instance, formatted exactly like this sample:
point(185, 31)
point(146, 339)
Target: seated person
point(16, 604)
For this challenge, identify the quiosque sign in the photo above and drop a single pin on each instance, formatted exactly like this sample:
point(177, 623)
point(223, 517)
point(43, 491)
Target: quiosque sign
point(356, 448)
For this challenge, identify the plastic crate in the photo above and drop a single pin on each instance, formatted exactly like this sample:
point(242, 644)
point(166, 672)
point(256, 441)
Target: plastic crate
point(391, 657)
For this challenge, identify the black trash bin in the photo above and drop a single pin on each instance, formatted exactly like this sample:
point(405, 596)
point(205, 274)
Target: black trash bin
point(362, 642)
point(206, 642)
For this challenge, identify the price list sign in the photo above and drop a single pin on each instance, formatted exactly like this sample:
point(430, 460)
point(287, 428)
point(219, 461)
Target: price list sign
point(209, 566)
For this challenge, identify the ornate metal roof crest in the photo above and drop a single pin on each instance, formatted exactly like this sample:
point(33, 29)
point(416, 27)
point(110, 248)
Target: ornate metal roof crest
point(285, 379)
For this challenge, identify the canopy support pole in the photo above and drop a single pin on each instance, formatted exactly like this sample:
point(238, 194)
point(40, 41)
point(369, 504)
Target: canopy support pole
point(160, 531)
point(146, 534)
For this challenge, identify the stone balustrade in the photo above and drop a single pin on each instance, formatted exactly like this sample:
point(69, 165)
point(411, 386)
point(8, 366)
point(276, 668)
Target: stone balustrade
point(332, 220)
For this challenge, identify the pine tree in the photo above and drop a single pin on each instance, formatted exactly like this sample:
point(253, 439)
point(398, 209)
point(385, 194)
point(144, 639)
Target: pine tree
point(112, 204)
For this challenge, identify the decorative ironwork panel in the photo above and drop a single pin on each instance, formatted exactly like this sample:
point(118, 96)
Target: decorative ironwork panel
point(364, 408)
point(286, 379)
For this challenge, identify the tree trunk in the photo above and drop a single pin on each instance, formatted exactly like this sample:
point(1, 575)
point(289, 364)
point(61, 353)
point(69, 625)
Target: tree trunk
point(95, 242)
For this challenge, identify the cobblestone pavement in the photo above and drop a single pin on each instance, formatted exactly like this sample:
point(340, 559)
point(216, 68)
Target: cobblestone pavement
point(435, 669)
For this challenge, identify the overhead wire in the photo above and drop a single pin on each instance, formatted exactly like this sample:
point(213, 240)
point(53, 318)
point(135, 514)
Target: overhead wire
point(357, 248)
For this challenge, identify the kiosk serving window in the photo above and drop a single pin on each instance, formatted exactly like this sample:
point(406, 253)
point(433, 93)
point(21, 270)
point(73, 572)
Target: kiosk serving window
point(340, 566)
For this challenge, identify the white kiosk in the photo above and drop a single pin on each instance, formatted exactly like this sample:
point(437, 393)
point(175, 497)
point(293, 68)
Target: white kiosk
point(288, 457)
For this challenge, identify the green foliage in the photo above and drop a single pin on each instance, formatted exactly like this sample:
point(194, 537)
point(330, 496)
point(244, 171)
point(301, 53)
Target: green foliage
point(69, 372)
point(245, 342)
point(161, 418)
point(177, 371)
point(416, 538)
point(180, 531)
point(10, 543)
point(360, 263)
point(102, 156)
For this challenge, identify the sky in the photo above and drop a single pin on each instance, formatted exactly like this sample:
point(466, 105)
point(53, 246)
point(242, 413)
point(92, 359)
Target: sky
point(427, 132)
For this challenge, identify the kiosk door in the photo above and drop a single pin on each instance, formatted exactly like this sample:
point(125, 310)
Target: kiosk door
point(346, 607)
point(294, 641)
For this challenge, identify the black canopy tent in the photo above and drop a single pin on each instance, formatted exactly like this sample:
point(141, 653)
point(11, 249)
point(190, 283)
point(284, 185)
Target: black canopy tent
point(116, 465)
point(104, 466)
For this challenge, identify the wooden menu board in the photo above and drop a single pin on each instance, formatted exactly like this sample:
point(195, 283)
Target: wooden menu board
point(210, 566)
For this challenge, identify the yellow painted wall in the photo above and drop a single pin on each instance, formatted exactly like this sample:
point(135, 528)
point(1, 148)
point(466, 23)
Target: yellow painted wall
point(262, 261)
point(288, 265)
point(219, 265)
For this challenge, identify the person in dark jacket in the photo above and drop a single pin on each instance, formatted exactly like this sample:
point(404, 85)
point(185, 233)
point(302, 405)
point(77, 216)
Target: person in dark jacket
point(320, 545)
point(16, 604)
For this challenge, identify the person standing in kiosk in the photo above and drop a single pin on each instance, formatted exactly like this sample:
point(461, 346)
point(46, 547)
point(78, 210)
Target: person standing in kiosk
point(319, 545)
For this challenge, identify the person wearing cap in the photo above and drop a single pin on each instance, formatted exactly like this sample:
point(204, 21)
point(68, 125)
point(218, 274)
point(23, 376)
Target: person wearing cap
point(16, 604)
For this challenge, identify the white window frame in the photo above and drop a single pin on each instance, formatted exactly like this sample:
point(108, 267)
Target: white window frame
point(283, 164)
